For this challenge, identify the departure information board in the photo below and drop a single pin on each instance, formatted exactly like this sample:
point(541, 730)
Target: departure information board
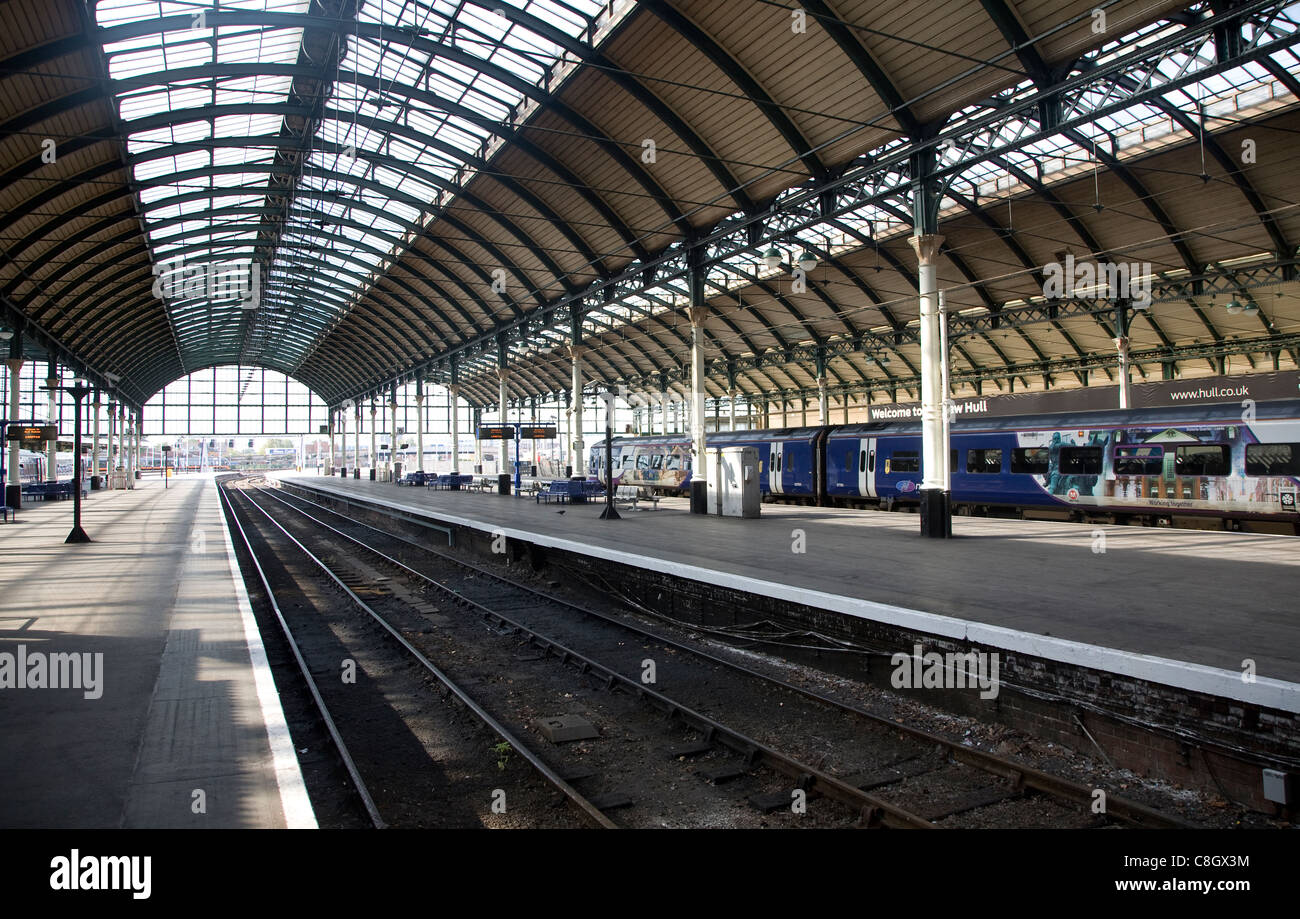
point(33, 433)
point(537, 432)
point(496, 432)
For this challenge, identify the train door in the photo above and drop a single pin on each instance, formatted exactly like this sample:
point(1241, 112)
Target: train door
point(774, 469)
point(867, 467)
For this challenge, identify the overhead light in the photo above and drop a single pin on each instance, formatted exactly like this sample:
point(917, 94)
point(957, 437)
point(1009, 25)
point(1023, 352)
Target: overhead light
point(1233, 307)
point(807, 261)
point(772, 257)
point(5, 335)
point(1250, 308)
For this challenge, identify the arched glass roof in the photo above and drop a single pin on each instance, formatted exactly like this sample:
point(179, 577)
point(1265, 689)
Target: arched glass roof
point(308, 147)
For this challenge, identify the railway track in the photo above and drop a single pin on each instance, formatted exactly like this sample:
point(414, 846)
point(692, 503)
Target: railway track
point(905, 776)
point(360, 785)
point(676, 740)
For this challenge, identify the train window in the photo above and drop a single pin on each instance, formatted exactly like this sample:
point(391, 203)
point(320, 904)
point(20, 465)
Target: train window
point(657, 461)
point(905, 461)
point(1272, 459)
point(871, 461)
point(1202, 459)
point(1139, 460)
point(862, 461)
point(674, 461)
point(643, 461)
point(1080, 461)
point(984, 460)
point(1030, 460)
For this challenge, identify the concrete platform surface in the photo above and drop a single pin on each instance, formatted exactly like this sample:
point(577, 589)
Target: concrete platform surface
point(1180, 607)
point(161, 719)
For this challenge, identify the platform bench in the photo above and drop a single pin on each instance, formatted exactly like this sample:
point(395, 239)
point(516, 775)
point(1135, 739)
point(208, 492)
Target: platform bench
point(632, 495)
point(559, 490)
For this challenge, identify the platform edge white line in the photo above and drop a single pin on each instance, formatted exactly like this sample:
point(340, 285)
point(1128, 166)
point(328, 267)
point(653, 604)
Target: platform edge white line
point(294, 800)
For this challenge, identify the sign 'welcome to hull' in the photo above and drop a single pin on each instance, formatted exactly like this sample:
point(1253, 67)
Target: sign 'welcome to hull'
point(1261, 387)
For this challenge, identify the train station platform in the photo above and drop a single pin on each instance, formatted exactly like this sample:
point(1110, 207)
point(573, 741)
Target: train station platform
point(1173, 652)
point(155, 706)
point(1179, 606)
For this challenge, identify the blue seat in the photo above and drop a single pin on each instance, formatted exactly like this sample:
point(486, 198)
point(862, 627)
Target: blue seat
point(558, 490)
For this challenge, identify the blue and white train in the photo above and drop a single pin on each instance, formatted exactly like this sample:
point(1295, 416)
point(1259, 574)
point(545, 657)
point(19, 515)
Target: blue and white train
point(1141, 465)
point(32, 466)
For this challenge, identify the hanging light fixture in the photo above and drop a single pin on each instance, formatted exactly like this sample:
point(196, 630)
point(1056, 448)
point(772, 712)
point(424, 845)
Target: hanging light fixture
point(807, 261)
point(1250, 308)
point(772, 257)
point(1233, 307)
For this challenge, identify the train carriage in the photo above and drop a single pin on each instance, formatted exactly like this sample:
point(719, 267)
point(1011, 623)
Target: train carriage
point(1150, 465)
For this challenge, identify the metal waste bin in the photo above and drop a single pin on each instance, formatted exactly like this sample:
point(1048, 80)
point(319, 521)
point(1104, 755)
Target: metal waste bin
point(503, 483)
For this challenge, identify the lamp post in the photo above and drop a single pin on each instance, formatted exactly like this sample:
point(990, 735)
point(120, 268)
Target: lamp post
point(78, 390)
point(610, 512)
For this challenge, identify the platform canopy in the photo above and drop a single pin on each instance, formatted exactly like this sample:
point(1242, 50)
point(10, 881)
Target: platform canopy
point(361, 192)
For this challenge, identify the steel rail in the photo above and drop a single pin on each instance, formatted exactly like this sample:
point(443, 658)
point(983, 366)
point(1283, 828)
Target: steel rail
point(809, 778)
point(1138, 815)
point(357, 781)
point(585, 807)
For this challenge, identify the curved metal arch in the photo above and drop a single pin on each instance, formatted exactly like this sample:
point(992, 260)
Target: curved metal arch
point(722, 59)
point(456, 281)
point(1125, 175)
point(26, 170)
point(424, 301)
point(612, 339)
point(858, 53)
point(24, 122)
point(353, 366)
point(611, 147)
point(361, 279)
point(548, 264)
point(49, 228)
point(204, 113)
point(132, 352)
point(1175, 235)
point(52, 192)
point(639, 91)
point(516, 138)
point(1280, 243)
point(1020, 254)
point(478, 272)
point(312, 282)
point(104, 296)
point(825, 256)
point(128, 237)
point(735, 330)
point(1085, 236)
point(126, 315)
point(783, 302)
point(505, 222)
